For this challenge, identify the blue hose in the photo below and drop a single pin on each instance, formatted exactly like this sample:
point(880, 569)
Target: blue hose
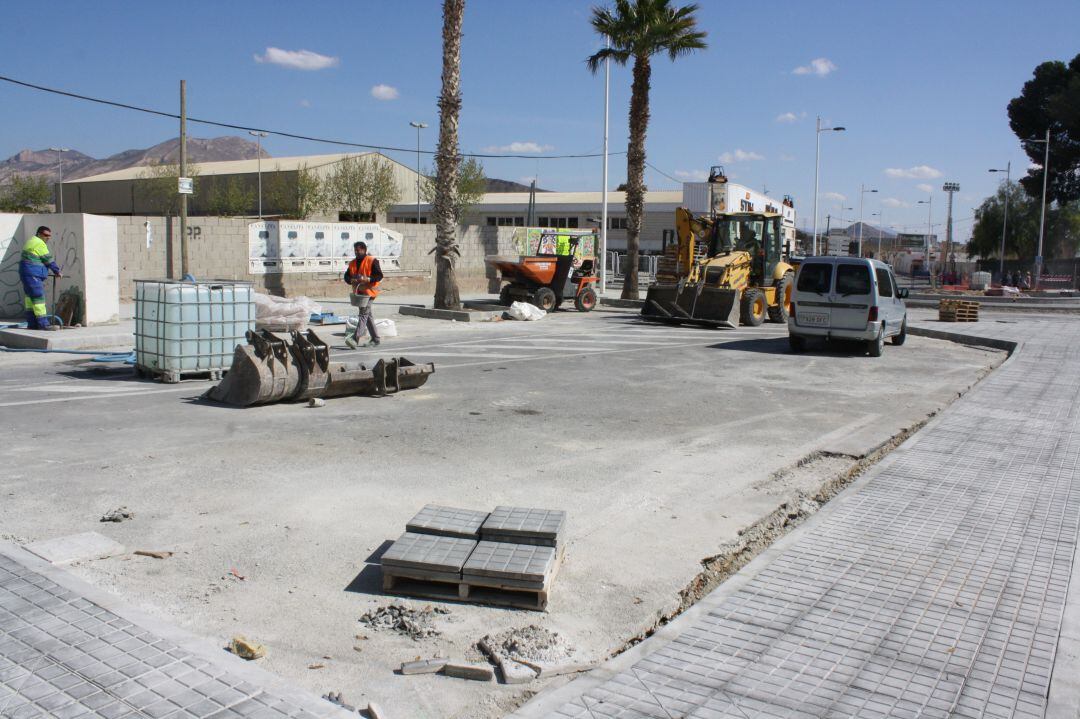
point(99, 356)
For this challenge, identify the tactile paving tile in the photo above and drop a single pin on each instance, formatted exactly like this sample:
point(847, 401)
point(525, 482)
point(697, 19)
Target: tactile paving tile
point(514, 561)
point(447, 521)
point(525, 521)
point(429, 551)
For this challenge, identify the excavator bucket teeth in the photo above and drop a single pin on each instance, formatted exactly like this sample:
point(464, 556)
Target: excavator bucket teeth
point(692, 304)
point(275, 369)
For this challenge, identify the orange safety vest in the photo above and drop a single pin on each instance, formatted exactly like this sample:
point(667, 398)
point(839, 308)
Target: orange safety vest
point(363, 267)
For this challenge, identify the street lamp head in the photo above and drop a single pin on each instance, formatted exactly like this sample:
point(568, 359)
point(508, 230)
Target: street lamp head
point(59, 149)
point(257, 133)
point(418, 125)
point(923, 202)
point(993, 170)
point(837, 129)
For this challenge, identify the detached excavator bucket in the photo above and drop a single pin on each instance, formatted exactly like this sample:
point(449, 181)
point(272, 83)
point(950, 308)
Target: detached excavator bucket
point(274, 369)
point(692, 304)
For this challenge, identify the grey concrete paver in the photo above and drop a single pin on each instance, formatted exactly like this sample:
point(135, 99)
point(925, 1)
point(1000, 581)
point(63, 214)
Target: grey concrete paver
point(936, 586)
point(68, 650)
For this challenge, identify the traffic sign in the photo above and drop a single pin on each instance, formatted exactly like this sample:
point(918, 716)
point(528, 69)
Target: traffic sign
point(186, 186)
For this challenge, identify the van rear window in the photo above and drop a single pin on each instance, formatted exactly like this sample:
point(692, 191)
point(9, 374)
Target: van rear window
point(815, 277)
point(852, 280)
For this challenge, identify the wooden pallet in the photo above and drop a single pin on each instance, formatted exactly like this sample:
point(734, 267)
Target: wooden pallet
point(418, 583)
point(958, 311)
point(175, 376)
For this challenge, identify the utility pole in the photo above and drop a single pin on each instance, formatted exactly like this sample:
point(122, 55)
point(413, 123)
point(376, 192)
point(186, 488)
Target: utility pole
point(60, 164)
point(950, 188)
point(183, 173)
point(1005, 219)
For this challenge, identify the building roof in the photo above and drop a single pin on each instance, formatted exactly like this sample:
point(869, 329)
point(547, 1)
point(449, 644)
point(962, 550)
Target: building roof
point(559, 201)
point(239, 167)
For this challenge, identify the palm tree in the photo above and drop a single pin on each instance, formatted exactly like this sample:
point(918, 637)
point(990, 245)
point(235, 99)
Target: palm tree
point(447, 161)
point(639, 29)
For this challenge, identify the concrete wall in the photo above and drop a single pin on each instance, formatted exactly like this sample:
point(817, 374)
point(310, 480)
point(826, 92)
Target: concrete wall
point(85, 246)
point(218, 249)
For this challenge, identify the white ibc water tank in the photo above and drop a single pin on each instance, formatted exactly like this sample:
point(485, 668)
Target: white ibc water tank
point(980, 280)
point(183, 327)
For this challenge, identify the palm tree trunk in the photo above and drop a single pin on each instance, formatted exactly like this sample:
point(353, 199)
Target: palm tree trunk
point(635, 173)
point(447, 161)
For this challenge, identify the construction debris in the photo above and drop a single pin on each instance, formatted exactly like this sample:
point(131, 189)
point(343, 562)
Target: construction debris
point(316, 402)
point(417, 624)
point(423, 666)
point(118, 515)
point(274, 368)
point(374, 711)
point(336, 698)
point(152, 553)
point(476, 672)
point(525, 653)
point(245, 649)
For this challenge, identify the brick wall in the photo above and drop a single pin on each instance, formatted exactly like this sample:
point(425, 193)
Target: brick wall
point(218, 249)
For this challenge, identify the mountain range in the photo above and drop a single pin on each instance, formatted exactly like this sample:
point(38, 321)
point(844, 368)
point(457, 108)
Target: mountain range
point(43, 163)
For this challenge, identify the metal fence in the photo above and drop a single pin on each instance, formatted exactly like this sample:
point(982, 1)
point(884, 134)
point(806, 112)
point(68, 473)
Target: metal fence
point(616, 262)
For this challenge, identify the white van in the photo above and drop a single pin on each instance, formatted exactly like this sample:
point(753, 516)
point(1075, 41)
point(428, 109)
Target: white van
point(849, 298)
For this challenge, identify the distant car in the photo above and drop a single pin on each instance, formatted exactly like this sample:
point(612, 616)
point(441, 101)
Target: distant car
point(847, 298)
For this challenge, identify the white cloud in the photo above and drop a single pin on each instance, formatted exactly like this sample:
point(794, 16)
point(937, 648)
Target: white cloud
point(833, 196)
point(739, 156)
point(919, 172)
point(692, 175)
point(821, 67)
point(305, 103)
point(784, 157)
point(384, 92)
point(893, 202)
point(788, 117)
point(520, 147)
point(924, 187)
point(297, 59)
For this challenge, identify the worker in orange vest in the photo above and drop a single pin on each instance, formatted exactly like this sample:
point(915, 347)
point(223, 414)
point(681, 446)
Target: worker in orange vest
point(364, 275)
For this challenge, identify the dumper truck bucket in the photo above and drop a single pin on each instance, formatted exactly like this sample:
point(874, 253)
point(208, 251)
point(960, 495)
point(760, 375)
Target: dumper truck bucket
point(692, 304)
point(294, 367)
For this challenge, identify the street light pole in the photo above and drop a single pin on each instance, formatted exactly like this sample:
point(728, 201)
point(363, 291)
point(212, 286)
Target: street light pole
point(862, 195)
point(604, 179)
point(1005, 219)
point(929, 229)
point(419, 126)
point(950, 188)
point(60, 163)
point(817, 172)
point(1042, 214)
point(259, 135)
point(881, 221)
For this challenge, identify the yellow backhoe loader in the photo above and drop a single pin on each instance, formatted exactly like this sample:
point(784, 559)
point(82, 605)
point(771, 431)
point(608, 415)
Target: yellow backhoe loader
point(726, 269)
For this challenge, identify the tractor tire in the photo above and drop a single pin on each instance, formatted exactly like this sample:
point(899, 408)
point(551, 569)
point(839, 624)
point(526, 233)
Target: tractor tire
point(899, 339)
point(782, 309)
point(544, 298)
point(752, 309)
point(505, 298)
point(585, 300)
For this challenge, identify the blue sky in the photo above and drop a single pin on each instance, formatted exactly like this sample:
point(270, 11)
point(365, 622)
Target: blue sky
point(921, 86)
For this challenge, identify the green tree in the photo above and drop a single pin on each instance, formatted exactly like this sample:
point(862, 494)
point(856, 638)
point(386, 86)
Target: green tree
point(230, 196)
point(471, 187)
point(1051, 100)
point(25, 193)
point(310, 192)
point(361, 185)
point(1022, 230)
point(639, 29)
point(296, 196)
point(157, 188)
point(448, 161)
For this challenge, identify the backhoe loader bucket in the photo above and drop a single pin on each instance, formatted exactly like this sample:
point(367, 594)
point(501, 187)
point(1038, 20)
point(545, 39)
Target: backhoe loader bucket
point(692, 304)
point(273, 369)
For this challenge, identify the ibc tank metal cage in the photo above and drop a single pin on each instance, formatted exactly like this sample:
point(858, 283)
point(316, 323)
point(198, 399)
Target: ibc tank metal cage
point(184, 328)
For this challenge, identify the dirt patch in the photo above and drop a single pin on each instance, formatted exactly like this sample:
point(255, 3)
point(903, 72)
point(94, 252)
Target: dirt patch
point(414, 623)
point(531, 643)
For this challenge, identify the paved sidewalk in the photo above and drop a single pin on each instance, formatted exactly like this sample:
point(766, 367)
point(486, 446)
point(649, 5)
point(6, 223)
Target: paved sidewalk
point(68, 650)
point(936, 586)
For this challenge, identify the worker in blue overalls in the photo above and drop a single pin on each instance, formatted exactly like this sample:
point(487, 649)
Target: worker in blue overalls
point(34, 267)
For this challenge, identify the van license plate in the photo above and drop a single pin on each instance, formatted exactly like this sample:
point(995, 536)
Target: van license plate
point(813, 319)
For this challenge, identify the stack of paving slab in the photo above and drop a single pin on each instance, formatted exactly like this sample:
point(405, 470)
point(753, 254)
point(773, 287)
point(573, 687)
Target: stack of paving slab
point(508, 557)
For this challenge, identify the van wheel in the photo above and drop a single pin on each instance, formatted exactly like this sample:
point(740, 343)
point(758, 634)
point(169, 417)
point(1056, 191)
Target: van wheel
point(876, 347)
point(902, 337)
point(796, 343)
point(752, 311)
point(782, 309)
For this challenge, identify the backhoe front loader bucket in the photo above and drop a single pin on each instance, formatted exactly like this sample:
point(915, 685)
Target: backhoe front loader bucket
point(692, 304)
point(273, 369)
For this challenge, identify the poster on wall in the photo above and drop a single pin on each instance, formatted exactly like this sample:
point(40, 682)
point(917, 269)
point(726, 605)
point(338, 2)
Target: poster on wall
point(545, 241)
point(292, 246)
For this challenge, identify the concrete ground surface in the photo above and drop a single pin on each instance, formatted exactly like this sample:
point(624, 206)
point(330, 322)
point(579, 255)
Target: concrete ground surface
point(661, 442)
point(937, 585)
